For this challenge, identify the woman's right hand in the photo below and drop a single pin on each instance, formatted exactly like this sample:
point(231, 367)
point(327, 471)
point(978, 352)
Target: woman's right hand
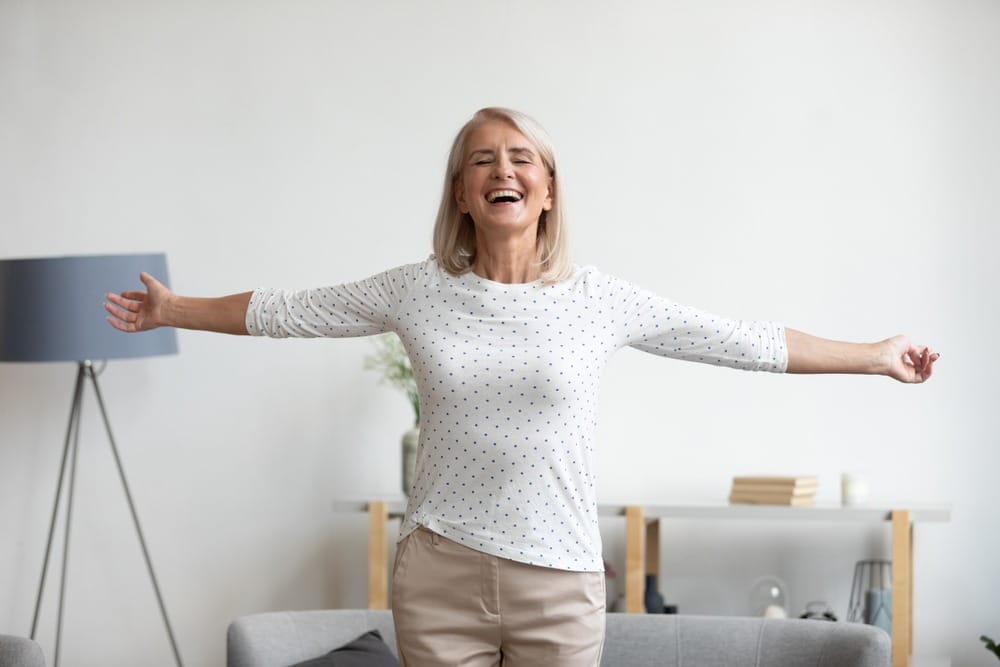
point(134, 311)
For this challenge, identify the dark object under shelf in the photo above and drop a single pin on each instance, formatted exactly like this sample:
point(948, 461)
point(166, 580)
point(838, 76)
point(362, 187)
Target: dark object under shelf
point(653, 599)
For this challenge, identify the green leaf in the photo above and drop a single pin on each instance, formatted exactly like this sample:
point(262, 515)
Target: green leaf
point(991, 646)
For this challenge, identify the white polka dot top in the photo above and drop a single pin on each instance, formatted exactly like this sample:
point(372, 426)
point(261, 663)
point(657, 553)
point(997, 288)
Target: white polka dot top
point(508, 377)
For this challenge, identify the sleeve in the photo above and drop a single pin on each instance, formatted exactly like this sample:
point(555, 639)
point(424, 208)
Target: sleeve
point(660, 326)
point(362, 308)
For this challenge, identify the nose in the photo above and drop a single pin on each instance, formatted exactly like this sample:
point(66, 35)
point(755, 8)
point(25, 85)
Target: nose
point(503, 167)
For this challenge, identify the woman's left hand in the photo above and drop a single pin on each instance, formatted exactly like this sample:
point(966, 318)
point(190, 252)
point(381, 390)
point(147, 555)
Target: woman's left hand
point(907, 362)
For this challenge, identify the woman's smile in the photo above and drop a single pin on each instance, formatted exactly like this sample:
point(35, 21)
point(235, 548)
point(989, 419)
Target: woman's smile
point(499, 197)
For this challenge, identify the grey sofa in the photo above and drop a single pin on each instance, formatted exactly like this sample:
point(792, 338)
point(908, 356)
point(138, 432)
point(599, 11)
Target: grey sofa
point(20, 652)
point(279, 639)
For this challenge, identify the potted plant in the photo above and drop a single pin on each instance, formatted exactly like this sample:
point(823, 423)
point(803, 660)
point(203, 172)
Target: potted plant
point(391, 360)
point(991, 645)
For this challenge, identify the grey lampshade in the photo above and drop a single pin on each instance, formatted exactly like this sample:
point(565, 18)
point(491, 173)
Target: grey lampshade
point(51, 308)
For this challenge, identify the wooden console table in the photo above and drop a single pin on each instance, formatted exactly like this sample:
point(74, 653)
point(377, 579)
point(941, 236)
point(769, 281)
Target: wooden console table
point(642, 546)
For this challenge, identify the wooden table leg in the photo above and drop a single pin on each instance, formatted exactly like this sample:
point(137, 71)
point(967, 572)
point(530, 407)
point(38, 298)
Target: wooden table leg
point(378, 556)
point(635, 553)
point(902, 588)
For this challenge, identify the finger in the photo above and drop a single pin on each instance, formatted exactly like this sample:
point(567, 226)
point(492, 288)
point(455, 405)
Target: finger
point(135, 296)
point(126, 303)
point(931, 358)
point(925, 357)
point(121, 326)
point(149, 281)
point(926, 368)
point(118, 313)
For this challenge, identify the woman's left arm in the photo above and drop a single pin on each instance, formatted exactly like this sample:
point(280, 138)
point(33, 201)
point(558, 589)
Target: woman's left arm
point(896, 357)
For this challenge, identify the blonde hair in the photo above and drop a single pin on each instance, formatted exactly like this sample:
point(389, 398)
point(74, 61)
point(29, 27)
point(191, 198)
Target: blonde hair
point(454, 231)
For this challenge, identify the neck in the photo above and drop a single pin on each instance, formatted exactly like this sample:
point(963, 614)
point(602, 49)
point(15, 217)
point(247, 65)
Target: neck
point(508, 261)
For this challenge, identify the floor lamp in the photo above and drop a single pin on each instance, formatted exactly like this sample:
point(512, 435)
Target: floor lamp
point(50, 310)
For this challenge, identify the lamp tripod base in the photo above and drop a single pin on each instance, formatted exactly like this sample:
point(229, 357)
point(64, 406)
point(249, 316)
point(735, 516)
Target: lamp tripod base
point(85, 372)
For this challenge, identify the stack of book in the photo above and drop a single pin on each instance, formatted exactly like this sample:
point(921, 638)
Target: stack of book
point(795, 491)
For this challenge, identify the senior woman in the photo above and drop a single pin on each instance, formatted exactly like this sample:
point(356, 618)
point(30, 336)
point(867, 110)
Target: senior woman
point(499, 559)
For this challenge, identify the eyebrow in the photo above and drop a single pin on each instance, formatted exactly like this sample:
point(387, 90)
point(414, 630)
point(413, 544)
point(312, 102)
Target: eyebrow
point(490, 152)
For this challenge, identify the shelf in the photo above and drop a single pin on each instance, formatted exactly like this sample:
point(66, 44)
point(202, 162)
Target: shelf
point(860, 514)
point(394, 507)
point(642, 545)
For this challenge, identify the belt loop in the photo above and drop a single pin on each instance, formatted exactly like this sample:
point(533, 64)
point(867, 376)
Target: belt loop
point(435, 538)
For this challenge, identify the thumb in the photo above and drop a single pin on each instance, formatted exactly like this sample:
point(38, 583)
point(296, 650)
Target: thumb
point(149, 281)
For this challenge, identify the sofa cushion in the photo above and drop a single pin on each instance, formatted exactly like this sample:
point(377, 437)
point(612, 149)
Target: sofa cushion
point(368, 650)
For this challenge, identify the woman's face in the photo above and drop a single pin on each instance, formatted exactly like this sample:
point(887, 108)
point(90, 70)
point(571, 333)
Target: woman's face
point(504, 184)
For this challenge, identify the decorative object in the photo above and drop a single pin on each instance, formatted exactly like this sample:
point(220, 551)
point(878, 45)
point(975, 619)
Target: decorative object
point(769, 598)
point(819, 611)
point(411, 438)
point(853, 490)
point(775, 611)
point(50, 310)
point(391, 360)
point(653, 599)
point(871, 594)
point(991, 646)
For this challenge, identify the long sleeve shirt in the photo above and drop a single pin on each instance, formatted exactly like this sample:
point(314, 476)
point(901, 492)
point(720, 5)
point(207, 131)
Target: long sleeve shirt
point(508, 377)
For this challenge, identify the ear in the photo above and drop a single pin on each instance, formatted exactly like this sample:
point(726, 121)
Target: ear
point(459, 192)
point(547, 203)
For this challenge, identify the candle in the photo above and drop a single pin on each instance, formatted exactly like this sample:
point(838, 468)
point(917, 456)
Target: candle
point(853, 490)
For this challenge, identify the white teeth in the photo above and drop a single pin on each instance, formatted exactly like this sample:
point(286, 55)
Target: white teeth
point(497, 194)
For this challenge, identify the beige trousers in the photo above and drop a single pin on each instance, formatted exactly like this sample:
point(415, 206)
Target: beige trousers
point(453, 605)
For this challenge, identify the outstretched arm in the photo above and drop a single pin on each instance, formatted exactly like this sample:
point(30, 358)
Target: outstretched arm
point(896, 357)
point(159, 307)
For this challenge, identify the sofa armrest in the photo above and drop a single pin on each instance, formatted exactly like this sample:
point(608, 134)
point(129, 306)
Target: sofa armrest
point(20, 652)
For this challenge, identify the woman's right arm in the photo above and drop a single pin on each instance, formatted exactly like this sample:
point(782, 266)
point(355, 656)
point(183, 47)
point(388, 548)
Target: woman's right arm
point(134, 311)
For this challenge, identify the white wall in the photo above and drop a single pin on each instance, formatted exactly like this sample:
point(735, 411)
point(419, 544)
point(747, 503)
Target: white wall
point(830, 164)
